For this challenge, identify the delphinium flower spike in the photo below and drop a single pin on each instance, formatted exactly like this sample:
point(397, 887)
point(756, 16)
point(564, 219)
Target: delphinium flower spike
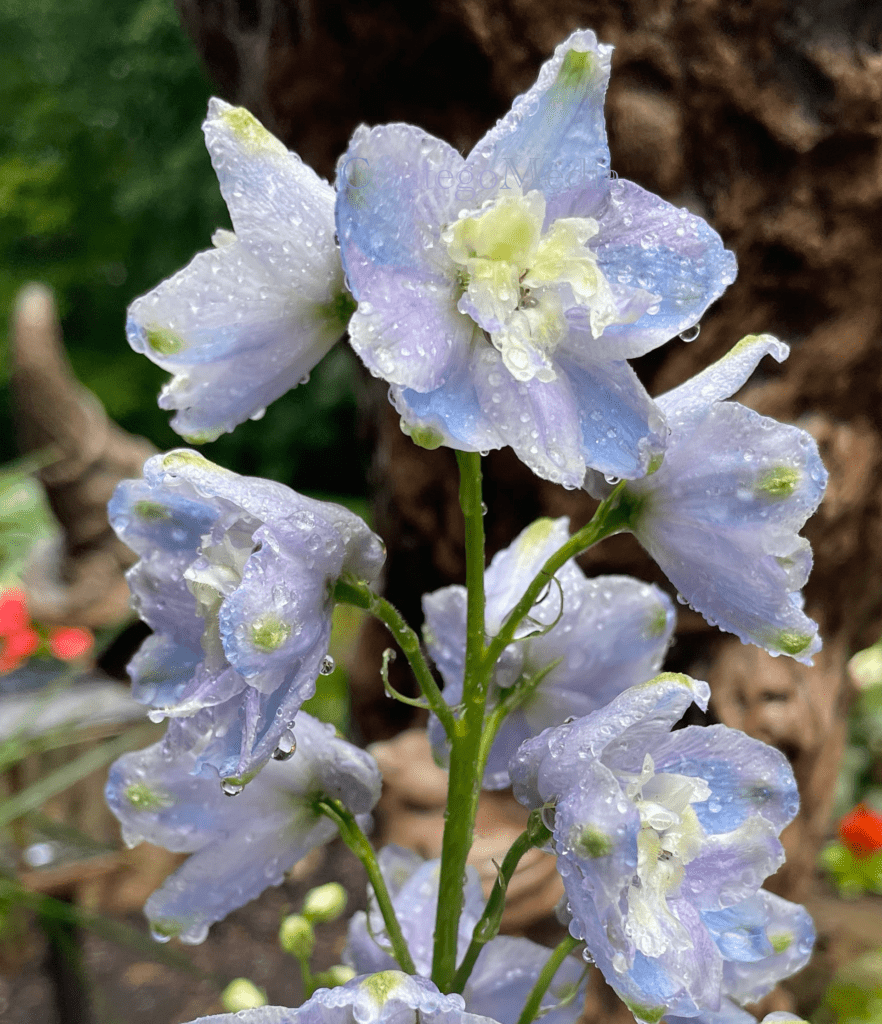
point(721, 514)
point(502, 293)
point(663, 840)
point(239, 846)
point(248, 320)
point(605, 634)
point(235, 579)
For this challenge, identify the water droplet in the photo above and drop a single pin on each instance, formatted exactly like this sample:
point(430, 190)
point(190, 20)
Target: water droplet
point(287, 746)
point(232, 788)
point(327, 666)
point(691, 333)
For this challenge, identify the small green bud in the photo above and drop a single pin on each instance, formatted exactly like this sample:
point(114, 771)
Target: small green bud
point(297, 937)
point(339, 974)
point(242, 994)
point(324, 903)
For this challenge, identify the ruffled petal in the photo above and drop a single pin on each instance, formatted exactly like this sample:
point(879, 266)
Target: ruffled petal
point(554, 137)
point(451, 414)
point(282, 211)
point(791, 934)
point(746, 776)
point(647, 245)
point(230, 873)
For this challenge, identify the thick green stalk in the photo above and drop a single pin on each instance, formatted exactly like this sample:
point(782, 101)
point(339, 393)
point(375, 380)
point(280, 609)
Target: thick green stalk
point(359, 594)
point(466, 769)
point(487, 927)
point(546, 976)
point(358, 842)
point(612, 516)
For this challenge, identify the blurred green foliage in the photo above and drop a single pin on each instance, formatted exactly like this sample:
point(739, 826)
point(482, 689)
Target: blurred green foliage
point(106, 189)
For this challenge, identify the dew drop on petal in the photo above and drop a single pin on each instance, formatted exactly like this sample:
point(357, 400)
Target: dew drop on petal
point(691, 333)
point(327, 666)
point(286, 747)
point(232, 788)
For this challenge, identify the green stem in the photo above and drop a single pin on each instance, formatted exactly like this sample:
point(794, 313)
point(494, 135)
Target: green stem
point(359, 594)
point(487, 927)
point(357, 841)
point(612, 516)
point(466, 769)
point(546, 976)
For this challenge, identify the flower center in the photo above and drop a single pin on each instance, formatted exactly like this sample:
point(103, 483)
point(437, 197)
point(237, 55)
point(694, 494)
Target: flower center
point(214, 575)
point(518, 283)
point(670, 837)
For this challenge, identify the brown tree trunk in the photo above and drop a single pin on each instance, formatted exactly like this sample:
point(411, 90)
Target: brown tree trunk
point(765, 118)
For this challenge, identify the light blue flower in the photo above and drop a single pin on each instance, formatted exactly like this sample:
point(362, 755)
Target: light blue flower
point(663, 839)
point(248, 320)
point(235, 579)
point(721, 515)
point(501, 294)
point(609, 633)
point(386, 998)
point(239, 846)
point(506, 969)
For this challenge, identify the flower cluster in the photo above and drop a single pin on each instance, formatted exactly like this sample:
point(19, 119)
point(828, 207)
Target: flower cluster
point(248, 320)
point(501, 296)
point(235, 578)
point(663, 839)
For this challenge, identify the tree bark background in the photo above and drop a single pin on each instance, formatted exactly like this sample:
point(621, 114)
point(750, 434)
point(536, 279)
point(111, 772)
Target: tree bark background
point(765, 117)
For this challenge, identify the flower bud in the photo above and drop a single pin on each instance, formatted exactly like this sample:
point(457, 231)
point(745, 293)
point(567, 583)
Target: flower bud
point(339, 974)
point(242, 994)
point(324, 903)
point(297, 937)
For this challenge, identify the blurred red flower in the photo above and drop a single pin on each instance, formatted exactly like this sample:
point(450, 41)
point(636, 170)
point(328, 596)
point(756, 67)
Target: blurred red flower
point(861, 831)
point(69, 643)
